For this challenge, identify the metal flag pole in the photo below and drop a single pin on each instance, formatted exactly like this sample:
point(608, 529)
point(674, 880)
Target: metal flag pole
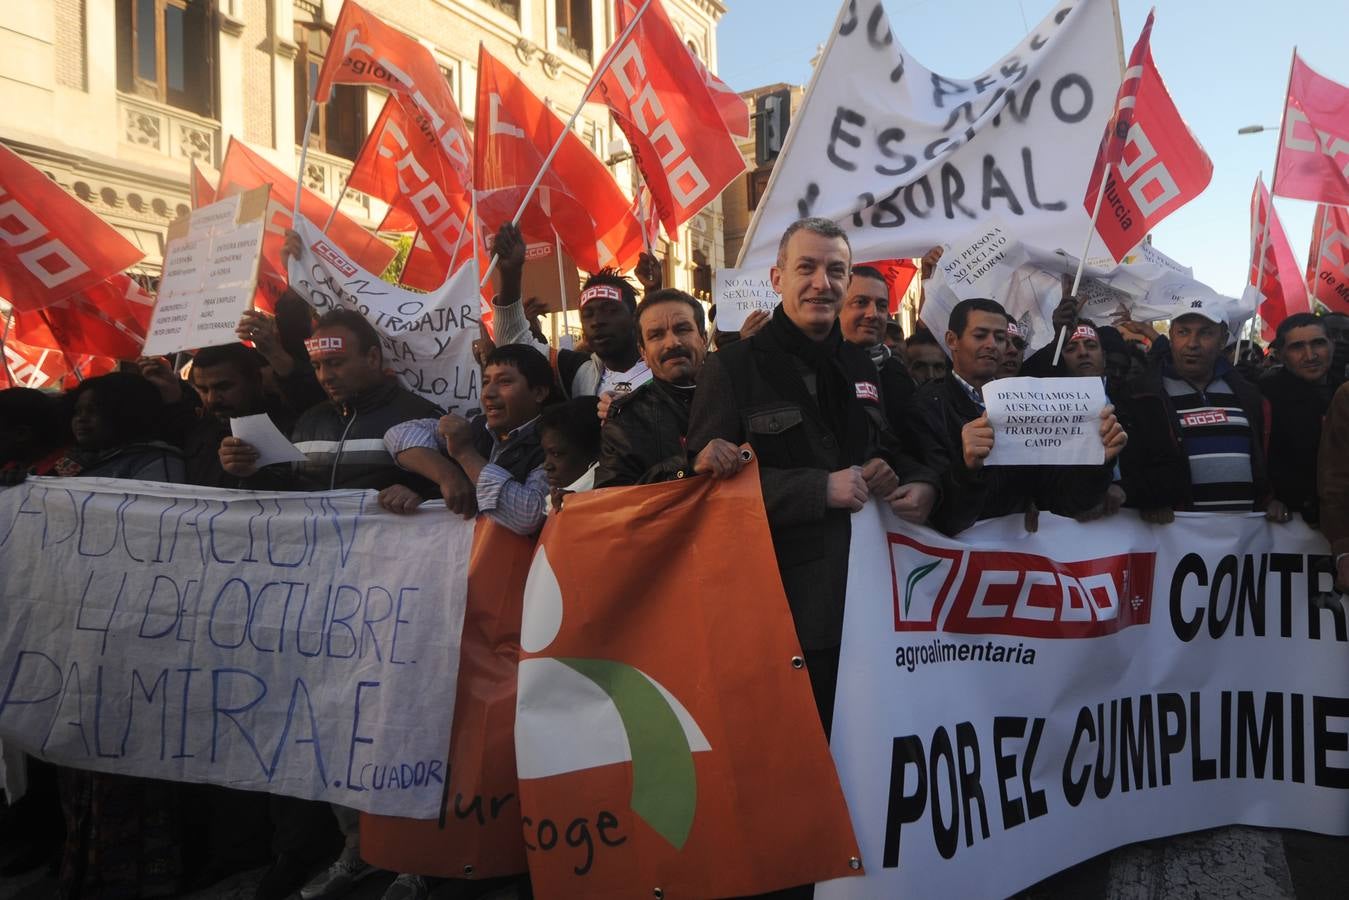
point(4, 337)
point(1260, 265)
point(304, 156)
point(1082, 260)
point(557, 145)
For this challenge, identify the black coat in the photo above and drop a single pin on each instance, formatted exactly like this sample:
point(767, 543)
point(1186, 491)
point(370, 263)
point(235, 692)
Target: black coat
point(754, 392)
point(940, 410)
point(1297, 410)
point(643, 440)
point(1154, 467)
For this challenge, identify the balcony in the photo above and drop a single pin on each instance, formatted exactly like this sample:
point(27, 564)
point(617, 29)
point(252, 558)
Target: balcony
point(506, 7)
point(172, 133)
point(326, 175)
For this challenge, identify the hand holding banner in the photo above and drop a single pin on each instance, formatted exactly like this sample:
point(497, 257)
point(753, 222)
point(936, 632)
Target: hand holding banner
point(739, 292)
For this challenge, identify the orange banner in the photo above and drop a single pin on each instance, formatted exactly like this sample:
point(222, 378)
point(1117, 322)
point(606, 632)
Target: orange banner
point(478, 833)
point(666, 736)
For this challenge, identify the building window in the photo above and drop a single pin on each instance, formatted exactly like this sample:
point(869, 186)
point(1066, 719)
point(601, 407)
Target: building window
point(573, 27)
point(166, 52)
point(339, 124)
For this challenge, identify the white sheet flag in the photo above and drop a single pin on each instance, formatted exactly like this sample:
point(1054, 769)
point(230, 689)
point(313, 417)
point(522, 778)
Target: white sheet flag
point(905, 159)
point(427, 338)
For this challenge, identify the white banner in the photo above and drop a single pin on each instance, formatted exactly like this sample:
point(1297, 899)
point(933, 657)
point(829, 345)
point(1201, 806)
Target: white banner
point(302, 644)
point(1012, 704)
point(905, 159)
point(427, 338)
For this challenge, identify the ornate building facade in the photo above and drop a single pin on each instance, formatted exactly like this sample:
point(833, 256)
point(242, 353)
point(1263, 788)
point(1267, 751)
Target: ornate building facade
point(113, 99)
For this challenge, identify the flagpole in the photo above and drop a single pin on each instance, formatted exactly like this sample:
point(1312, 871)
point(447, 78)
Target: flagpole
point(332, 215)
point(1278, 150)
point(1318, 233)
point(557, 145)
point(1082, 260)
point(304, 156)
point(1259, 268)
point(4, 337)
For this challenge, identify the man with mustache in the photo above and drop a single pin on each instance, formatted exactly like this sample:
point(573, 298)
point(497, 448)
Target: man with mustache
point(956, 437)
point(645, 432)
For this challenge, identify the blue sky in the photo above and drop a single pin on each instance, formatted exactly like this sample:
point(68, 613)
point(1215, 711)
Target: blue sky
point(1225, 63)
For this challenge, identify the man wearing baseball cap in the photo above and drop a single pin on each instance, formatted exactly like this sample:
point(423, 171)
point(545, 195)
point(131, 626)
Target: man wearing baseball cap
point(1196, 427)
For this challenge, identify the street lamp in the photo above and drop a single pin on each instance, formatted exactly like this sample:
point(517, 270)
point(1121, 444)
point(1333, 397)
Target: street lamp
point(1256, 129)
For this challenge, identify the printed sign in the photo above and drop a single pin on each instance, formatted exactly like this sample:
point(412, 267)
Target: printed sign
point(739, 292)
point(1045, 421)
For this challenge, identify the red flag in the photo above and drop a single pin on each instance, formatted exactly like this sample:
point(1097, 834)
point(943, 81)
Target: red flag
point(110, 319)
point(661, 101)
point(1328, 260)
point(366, 50)
point(577, 198)
point(734, 110)
point(203, 192)
point(42, 367)
point(402, 165)
point(51, 245)
point(1156, 165)
point(1279, 278)
point(244, 169)
point(1313, 158)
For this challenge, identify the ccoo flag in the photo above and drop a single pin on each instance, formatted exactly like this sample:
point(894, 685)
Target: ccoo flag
point(661, 100)
point(1313, 159)
point(1328, 261)
point(1155, 164)
point(1274, 272)
point(665, 734)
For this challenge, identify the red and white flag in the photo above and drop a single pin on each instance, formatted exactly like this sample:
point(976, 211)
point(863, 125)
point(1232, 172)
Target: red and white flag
point(1313, 159)
point(401, 164)
point(109, 319)
point(661, 100)
point(42, 367)
point(366, 50)
point(1276, 273)
point(1328, 260)
point(243, 170)
point(51, 245)
point(203, 191)
point(1155, 164)
point(577, 199)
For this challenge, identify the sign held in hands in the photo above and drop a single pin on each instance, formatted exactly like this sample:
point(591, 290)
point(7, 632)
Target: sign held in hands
point(739, 292)
point(1045, 421)
point(210, 274)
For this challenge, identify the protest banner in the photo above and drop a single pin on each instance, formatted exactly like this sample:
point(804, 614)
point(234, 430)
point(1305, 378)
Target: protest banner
point(656, 755)
point(903, 158)
point(737, 293)
point(271, 642)
point(1011, 704)
point(427, 338)
point(1045, 421)
point(478, 833)
point(210, 274)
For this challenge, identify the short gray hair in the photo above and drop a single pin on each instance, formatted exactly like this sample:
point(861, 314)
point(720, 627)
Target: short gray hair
point(827, 228)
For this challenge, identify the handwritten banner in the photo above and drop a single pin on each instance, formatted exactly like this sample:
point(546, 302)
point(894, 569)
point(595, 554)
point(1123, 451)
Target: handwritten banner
point(427, 338)
point(738, 293)
point(305, 645)
point(1045, 421)
point(1010, 704)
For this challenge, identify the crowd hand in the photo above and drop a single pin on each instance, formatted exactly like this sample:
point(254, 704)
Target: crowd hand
point(259, 329)
point(483, 346)
point(1109, 505)
point(461, 497)
point(880, 478)
point(1113, 435)
point(648, 273)
point(1278, 511)
point(1065, 314)
point(157, 371)
point(602, 408)
point(238, 458)
point(720, 459)
point(557, 495)
point(755, 321)
point(913, 502)
point(976, 441)
point(400, 499)
point(1030, 519)
point(291, 248)
point(1139, 330)
point(1162, 516)
point(847, 489)
point(457, 432)
point(509, 249)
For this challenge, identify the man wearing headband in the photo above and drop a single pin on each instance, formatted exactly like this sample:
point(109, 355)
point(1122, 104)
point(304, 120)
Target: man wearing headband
point(608, 323)
point(1014, 351)
point(644, 439)
point(809, 405)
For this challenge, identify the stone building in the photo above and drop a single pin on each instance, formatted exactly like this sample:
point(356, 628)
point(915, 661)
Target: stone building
point(114, 98)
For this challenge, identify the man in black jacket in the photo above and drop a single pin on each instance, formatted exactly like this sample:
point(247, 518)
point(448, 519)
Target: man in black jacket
point(644, 438)
point(863, 318)
point(1299, 396)
point(1197, 429)
point(955, 436)
point(809, 405)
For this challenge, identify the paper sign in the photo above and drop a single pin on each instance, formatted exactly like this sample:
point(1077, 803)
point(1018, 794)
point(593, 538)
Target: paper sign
point(738, 292)
point(262, 435)
point(210, 274)
point(1045, 421)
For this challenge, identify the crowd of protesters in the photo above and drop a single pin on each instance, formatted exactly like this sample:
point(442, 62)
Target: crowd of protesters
point(826, 392)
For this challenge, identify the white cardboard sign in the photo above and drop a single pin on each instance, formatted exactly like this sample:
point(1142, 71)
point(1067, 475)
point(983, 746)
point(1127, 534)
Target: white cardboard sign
point(739, 292)
point(1045, 421)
